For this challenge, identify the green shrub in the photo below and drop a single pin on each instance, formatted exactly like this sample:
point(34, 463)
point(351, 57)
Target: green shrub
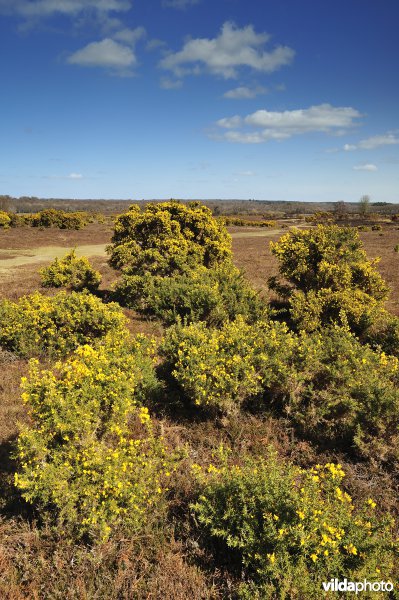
point(37, 324)
point(212, 295)
point(327, 274)
point(5, 220)
point(292, 528)
point(363, 228)
point(71, 272)
point(239, 222)
point(385, 334)
point(344, 393)
point(89, 459)
point(168, 238)
point(17, 220)
point(376, 227)
point(396, 248)
point(334, 389)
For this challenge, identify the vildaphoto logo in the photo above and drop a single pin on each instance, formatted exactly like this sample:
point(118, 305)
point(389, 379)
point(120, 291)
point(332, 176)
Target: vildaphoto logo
point(335, 585)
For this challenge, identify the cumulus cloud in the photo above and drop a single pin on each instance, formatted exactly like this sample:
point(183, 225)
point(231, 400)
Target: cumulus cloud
point(387, 139)
point(244, 92)
point(224, 55)
point(180, 4)
point(271, 125)
point(366, 167)
point(107, 53)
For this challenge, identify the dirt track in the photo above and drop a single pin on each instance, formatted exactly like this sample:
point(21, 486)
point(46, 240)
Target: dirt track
point(17, 258)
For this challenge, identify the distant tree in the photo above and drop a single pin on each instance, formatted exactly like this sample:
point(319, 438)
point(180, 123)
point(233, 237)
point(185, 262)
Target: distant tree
point(340, 210)
point(364, 205)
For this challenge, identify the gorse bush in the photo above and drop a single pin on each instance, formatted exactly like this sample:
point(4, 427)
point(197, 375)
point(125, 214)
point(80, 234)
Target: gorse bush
point(345, 394)
point(5, 220)
point(168, 238)
point(56, 325)
point(71, 272)
point(212, 295)
point(176, 264)
point(384, 334)
point(328, 278)
point(89, 459)
point(293, 528)
point(52, 217)
point(335, 390)
point(221, 368)
point(239, 222)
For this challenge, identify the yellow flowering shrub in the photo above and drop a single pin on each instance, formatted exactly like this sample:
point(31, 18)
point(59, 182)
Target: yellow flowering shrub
point(327, 278)
point(71, 272)
point(346, 393)
point(56, 325)
point(168, 238)
point(53, 217)
point(89, 457)
point(5, 220)
point(329, 385)
point(221, 368)
point(293, 528)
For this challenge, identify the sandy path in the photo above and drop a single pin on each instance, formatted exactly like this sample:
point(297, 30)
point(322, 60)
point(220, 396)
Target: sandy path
point(12, 258)
point(17, 258)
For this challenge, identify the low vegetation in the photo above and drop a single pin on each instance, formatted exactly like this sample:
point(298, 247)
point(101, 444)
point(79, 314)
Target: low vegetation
point(250, 450)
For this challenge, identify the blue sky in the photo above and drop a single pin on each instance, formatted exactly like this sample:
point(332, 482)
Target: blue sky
point(281, 99)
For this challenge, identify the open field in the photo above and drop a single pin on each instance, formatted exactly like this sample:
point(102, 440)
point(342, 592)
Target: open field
point(24, 251)
point(171, 564)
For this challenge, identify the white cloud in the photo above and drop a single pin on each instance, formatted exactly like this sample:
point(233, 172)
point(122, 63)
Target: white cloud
point(170, 84)
point(282, 125)
point(230, 122)
point(130, 36)
point(247, 173)
point(224, 55)
point(107, 53)
point(73, 176)
point(46, 8)
point(366, 167)
point(244, 92)
point(180, 4)
point(387, 139)
point(155, 44)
